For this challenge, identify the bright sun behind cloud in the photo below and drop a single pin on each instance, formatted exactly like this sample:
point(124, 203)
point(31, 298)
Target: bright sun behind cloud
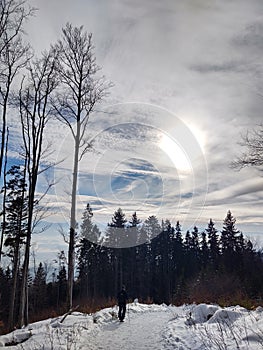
point(176, 153)
point(199, 135)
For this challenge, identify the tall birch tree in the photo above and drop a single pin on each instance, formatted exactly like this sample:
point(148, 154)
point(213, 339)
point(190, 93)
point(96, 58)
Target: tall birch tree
point(35, 110)
point(81, 90)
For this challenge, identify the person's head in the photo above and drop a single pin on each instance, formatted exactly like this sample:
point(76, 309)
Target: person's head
point(123, 287)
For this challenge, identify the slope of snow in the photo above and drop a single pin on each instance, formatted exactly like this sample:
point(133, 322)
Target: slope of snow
point(155, 327)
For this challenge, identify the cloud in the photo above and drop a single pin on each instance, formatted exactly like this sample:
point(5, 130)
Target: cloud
point(252, 187)
point(222, 67)
point(187, 70)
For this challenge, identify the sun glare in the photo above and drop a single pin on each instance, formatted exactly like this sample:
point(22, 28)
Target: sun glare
point(199, 136)
point(175, 153)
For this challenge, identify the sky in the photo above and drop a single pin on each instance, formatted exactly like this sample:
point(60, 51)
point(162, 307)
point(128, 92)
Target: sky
point(187, 81)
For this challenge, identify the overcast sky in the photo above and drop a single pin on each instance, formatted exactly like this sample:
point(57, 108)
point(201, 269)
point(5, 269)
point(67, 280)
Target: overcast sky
point(187, 83)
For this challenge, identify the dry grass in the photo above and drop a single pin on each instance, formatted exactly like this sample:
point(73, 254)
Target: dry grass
point(91, 306)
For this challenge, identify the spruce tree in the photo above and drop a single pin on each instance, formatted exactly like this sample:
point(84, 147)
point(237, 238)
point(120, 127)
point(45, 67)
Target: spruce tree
point(131, 262)
point(116, 236)
point(213, 245)
point(88, 254)
point(229, 234)
point(61, 285)
point(229, 243)
point(178, 247)
point(116, 239)
point(133, 230)
point(15, 227)
point(39, 297)
point(204, 253)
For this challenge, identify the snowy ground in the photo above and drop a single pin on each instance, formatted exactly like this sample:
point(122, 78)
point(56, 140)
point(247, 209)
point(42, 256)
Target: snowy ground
point(153, 327)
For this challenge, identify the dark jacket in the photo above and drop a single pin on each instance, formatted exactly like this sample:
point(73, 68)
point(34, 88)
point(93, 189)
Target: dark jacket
point(122, 297)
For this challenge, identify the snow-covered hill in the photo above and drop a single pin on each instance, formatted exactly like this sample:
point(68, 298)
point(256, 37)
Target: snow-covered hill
point(152, 327)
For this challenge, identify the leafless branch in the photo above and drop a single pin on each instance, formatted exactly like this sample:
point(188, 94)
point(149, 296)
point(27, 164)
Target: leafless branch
point(253, 156)
point(63, 234)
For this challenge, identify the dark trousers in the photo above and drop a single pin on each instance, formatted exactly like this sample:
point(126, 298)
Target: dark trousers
point(122, 310)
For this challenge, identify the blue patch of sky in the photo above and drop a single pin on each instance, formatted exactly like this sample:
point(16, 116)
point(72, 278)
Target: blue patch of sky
point(140, 164)
point(187, 195)
point(13, 161)
point(129, 131)
point(137, 169)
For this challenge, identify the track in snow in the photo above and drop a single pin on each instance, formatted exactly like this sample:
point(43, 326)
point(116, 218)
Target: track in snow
point(138, 331)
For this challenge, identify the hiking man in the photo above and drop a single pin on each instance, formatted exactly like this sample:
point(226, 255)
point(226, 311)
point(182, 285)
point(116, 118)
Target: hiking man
point(122, 299)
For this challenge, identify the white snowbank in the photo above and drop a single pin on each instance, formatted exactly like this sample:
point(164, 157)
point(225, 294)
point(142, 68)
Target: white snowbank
point(192, 327)
point(228, 315)
point(203, 312)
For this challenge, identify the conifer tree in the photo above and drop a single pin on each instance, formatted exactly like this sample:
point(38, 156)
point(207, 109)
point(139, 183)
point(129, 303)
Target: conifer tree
point(194, 242)
point(162, 263)
point(15, 227)
point(131, 255)
point(152, 227)
point(61, 285)
point(116, 238)
point(213, 244)
point(133, 230)
point(39, 288)
point(204, 253)
point(229, 234)
point(178, 247)
point(88, 251)
point(187, 242)
point(229, 243)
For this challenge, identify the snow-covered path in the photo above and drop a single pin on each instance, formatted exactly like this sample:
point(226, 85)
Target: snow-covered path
point(142, 331)
point(146, 327)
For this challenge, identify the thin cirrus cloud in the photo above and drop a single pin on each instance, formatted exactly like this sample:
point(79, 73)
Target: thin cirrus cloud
point(241, 191)
point(185, 73)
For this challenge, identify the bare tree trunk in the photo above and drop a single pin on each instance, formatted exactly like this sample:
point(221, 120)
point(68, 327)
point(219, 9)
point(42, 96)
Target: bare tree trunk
point(13, 288)
point(71, 251)
point(2, 151)
point(81, 90)
point(34, 112)
point(23, 313)
point(4, 127)
point(16, 261)
point(4, 199)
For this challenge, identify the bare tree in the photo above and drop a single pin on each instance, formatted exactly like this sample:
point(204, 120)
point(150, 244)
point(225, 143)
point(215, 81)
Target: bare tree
point(13, 14)
point(81, 90)
point(4, 193)
point(13, 54)
point(35, 111)
point(253, 156)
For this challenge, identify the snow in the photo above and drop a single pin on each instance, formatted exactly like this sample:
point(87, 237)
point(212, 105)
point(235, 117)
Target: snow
point(155, 327)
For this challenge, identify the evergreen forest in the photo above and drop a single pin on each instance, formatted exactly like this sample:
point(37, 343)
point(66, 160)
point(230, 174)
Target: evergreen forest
point(161, 264)
point(55, 93)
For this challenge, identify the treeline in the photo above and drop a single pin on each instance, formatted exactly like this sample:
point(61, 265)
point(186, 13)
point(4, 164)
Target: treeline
point(165, 264)
point(157, 262)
